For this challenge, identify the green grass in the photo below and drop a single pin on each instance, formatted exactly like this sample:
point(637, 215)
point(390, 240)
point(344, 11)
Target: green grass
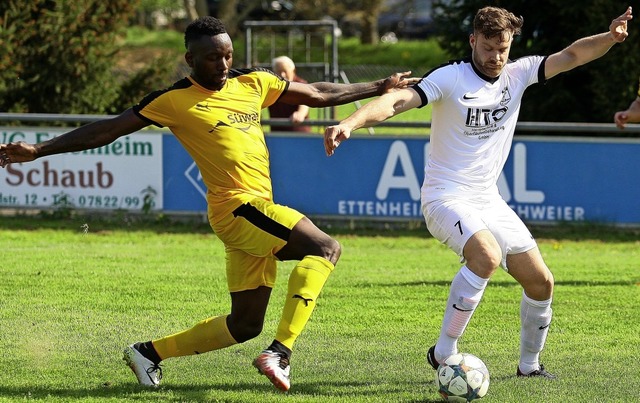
point(70, 301)
point(418, 55)
point(138, 36)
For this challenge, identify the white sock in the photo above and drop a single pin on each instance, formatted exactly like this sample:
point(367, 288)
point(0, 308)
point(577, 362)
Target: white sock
point(535, 317)
point(464, 296)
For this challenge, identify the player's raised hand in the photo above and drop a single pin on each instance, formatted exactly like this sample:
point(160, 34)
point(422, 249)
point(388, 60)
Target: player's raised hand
point(333, 136)
point(398, 81)
point(16, 152)
point(618, 27)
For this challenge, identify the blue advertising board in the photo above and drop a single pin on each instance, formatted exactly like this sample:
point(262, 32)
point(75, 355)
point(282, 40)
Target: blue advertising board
point(546, 179)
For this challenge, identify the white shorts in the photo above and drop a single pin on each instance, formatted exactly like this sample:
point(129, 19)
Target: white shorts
point(454, 221)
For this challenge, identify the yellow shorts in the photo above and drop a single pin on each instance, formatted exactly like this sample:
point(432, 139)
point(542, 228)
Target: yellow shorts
point(252, 235)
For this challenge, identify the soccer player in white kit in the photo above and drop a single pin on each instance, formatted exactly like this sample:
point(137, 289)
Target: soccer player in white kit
point(475, 109)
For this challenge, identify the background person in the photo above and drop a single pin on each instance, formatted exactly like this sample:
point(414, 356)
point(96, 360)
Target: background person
point(215, 114)
point(285, 68)
point(475, 109)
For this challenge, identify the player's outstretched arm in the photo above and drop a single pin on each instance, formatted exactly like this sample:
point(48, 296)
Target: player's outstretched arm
point(374, 112)
point(323, 94)
point(629, 115)
point(89, 136)
point(589, 48)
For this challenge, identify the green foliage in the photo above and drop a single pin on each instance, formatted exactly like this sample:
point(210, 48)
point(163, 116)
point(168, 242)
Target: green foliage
point(419, 56)
point(148, 199)
point(62, 207)
point(166, 6)
point(58, 55)
point(138, 37)
point(154, 75)
point(590, 93)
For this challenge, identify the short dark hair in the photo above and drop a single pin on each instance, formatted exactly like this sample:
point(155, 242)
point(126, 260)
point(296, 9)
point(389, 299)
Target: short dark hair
point(203, 26)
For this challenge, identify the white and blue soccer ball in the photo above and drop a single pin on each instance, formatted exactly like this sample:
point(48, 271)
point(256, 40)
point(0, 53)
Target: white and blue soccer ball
point(462, 377)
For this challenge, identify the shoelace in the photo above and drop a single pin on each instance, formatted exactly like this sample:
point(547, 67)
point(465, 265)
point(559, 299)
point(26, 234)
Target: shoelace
point(155, 369)
point(284, 361)
point(543, 371)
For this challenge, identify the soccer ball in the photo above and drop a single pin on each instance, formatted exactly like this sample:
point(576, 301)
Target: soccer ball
point(462, 378)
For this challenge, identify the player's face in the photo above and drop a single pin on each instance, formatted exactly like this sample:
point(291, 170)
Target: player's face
point(490, 55)
point(210, 58)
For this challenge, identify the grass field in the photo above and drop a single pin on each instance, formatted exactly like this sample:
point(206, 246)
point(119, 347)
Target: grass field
point(72, 296)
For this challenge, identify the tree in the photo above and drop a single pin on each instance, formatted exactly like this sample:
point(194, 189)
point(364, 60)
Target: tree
point(370, 13)
point(57, 55)
point(363, 13)
point(590, 93)
point(233, 13)
point(151, 13)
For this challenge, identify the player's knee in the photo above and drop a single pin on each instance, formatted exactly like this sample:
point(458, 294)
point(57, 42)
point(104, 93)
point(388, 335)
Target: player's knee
point(541, 289)
point(332, 250)
point(485, 262)
point(245, 330)
point(547, 285)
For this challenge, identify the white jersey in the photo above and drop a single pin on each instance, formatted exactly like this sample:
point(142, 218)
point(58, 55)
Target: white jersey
point(473, 121)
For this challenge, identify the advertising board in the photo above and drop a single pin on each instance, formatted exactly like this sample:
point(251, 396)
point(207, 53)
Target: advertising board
point(545, 179)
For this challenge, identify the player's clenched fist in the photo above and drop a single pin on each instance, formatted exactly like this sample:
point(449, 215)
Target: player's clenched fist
point(334, 135)
point(16, 152)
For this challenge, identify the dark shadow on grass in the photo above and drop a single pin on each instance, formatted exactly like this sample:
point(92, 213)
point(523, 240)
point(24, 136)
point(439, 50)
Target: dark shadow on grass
point(569, 231)
point(203, 393)
point(196, 223)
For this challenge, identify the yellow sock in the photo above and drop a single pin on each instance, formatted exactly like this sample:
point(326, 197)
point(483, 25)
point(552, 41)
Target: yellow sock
point(305, 283)
point(207, 335)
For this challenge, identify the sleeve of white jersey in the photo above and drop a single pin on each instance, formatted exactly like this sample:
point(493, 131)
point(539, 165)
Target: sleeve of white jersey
point(437, 85)
point(532, 68)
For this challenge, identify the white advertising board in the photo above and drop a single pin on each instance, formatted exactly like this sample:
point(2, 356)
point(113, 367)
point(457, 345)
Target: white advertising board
point(116, 176)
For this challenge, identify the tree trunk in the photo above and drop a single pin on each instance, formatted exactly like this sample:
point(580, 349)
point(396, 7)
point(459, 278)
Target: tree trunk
point(190, 9)
point(370, 14)
point(370, 29)
point(228, 15)
point(202, 8)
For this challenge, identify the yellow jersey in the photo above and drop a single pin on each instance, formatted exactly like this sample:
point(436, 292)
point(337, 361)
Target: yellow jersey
point(222, 132)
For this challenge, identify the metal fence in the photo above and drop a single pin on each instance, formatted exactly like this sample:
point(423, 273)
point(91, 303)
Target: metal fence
point(529, 128)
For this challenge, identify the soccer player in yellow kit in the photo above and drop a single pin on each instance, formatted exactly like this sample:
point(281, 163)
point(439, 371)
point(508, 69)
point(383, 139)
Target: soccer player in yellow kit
point(215, 114)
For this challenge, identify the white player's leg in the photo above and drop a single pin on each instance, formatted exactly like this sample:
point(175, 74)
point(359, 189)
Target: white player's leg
point(464, 296)
point(531, 272)
point(462, 228)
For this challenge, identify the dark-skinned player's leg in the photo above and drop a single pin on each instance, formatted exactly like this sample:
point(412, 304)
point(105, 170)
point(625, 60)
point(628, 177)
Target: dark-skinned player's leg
point(318, 253)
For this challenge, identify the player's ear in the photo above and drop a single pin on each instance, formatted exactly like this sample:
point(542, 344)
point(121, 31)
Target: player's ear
point(188, 57)
point(472, 40)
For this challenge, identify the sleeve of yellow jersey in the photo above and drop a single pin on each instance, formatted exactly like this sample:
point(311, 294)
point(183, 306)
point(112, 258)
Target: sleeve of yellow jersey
point(272, 86)
point(160, 110)
point(159, 107)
